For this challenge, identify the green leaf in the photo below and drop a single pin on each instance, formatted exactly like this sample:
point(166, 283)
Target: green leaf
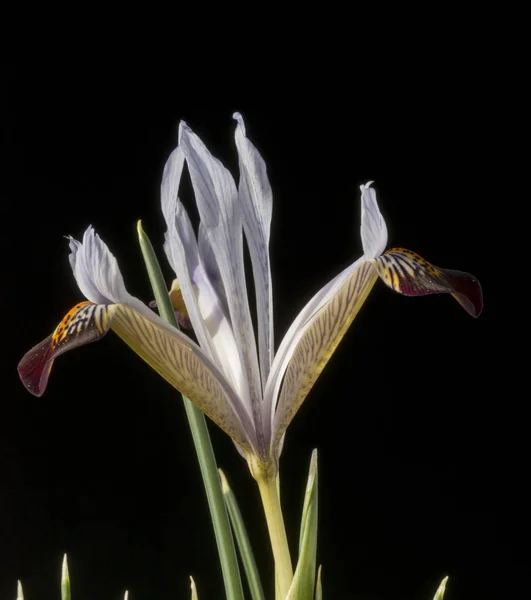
point(318, 589)
point(65, 581)
point(439, 594)
point(194, 590)
point(302, 587)
point(242, 539)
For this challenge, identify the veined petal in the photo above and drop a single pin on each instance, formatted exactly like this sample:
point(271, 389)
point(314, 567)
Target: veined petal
point(181, 248)
point(172, 354)
point(187, 368)
point(374, 238)
point(256, 201)
point(373, 228)
point(313, 344)
point(216, 198)
point(411, 275)
point(97, 273)
point(292, 337)
point(316, 342)
point(206, 311)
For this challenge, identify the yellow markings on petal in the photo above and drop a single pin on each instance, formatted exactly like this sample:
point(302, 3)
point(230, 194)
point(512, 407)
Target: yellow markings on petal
point(182, 364)
point(177, 300)
point(318, 342)
point(399, 267)
point(78, 319)
point(411, 275)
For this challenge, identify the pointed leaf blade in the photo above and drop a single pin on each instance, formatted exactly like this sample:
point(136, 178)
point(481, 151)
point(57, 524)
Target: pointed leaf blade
point(303, 584)
point(193, 588)
point(318, 586)
point(242, 539)
point(65, 581)
point(439, 594)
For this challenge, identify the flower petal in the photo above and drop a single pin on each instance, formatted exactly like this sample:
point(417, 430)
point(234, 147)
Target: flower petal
point(172, 354)
point(206, 310)
point(256, 201)
point(97, 273)
point(411, 275)
point(374, 238)
point(373, 228)
point(317, 342)
point(85, 323)
point(187, 368)
point(216, 199)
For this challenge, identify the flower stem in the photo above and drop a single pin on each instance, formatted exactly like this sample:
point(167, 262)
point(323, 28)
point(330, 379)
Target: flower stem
point(201, 437)
point(277, 532)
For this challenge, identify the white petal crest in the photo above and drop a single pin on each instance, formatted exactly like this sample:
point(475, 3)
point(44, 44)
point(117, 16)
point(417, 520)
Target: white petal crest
point(373, 228)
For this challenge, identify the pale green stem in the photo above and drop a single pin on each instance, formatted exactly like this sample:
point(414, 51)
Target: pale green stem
point(277, 532)
point(200, 435)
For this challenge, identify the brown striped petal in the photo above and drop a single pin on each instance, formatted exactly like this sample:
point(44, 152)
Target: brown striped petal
point(402, 270)
point(411, 275)
point(321, 336)
point(172, 354)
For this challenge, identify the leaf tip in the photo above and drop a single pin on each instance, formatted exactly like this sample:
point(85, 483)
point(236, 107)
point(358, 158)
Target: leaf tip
point(225, 487)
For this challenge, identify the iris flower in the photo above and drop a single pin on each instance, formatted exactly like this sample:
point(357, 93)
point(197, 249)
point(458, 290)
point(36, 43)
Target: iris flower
point(235, 377)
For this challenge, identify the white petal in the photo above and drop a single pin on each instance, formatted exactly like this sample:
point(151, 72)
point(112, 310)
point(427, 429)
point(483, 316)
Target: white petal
point(206, 310)
point(256, 201)
point(98, 275)
point(216, 198)
point(373, 227)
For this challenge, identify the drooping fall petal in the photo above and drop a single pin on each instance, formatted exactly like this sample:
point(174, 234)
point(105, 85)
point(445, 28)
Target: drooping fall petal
point(83, 324)
point(411, 275)
point(172, 354)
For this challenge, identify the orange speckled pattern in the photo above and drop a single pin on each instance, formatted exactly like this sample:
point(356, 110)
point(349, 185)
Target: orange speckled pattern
point(68, 324)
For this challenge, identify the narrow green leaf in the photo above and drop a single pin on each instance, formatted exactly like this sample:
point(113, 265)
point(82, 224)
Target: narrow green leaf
point(20, 593)
point(242, 539)
point(65, 581)
point(439, 594)
point(200, 435)
point(318, 588)
point(194, 589)
point(303, 584)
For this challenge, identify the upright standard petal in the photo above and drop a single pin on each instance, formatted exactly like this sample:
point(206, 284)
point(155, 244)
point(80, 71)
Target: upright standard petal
point(373, 228)
point(256, 202)
point(216, 198)
point(206, 310)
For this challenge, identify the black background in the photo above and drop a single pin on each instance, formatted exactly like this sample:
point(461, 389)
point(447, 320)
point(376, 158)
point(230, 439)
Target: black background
point(422, 442)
